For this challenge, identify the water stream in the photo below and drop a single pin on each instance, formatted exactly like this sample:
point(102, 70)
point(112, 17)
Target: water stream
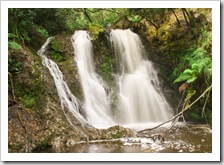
point(69, 102)
point(96, 103)
point(141, 100)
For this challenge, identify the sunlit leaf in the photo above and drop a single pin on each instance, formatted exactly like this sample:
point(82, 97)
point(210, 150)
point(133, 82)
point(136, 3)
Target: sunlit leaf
point(191, 79)
point(183, 77)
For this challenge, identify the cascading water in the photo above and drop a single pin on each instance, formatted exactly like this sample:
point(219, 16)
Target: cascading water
point(96, 104)
point(140, 98)
point(69, 103)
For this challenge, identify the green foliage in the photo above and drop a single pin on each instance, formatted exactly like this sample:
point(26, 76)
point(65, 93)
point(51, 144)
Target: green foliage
point(107, 68)
point(134, 18)
point(10, 35)
point(14, 65)
point(95, 30)
point(55, 52)
point(43, 31)
point(117, 135)
point(28, 101)
point(195, 68)
point(195, 115)
point(57, 56)
point(200, 61)
point(183, 77)
point(188, 75)
point(109, 20)
point(14, 45)
point(29, 90)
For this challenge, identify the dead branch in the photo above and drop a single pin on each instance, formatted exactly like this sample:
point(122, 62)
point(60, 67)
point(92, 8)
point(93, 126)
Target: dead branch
point(203, 109)
point(179, 114)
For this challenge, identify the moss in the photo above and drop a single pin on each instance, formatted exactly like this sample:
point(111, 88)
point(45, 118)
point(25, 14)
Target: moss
point(107, 68)
point(57, 56)
point(16, 147)
point(29, 86)
point(95, 30)
point(117, 135)
point(55, 52)
point(43, 146)
point(28, 101)
point(195, 115)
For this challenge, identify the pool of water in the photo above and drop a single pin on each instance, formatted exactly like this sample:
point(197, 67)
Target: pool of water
point(182, 139)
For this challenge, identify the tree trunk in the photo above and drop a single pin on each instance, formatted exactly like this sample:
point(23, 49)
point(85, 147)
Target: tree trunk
point(176, 17)
point(152, 23)
point(87, 15)
point(187, 22)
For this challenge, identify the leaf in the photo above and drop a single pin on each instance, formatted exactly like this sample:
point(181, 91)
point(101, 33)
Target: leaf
point(192, 79)
point(188, 71)
point(14, 45)
point(195, 66)
point(10, 35)
point(183, 77)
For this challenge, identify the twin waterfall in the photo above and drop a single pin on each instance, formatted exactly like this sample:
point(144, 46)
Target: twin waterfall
point(140, 98)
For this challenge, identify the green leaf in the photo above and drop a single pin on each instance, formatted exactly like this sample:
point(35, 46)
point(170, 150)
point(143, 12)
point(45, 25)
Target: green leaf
point(188, 71)
point(192, 79)
point(134, 18)
point(183, 77)
point(195, 66)
point(10, 35)
point(14, 45)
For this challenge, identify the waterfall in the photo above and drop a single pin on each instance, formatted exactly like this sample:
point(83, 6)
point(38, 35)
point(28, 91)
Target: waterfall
point(140, 97)
point(69, 103)
point(97, 105)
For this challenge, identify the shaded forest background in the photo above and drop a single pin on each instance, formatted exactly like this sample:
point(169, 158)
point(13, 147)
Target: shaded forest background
point(178, 41)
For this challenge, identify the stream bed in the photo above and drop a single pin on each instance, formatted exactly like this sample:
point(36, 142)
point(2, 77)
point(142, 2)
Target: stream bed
point(190, 138)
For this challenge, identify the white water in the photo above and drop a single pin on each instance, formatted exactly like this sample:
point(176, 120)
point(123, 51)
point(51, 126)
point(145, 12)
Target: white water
point(68, 101)
point(96, 102)
point(140, 98)
point(140, 101)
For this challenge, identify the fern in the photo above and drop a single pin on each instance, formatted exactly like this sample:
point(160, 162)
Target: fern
point(10, 35)
point(183, 77)
point(14, 45)
point(192, 79)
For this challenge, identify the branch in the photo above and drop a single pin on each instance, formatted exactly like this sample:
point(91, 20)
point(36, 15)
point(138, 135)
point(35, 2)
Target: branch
point(12, 85)
point(87, 15)
point(180, 113)
point(184, 11)
point(150, 21)
point(172, 10)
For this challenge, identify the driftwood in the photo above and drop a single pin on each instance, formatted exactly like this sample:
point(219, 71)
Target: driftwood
point(176, 117)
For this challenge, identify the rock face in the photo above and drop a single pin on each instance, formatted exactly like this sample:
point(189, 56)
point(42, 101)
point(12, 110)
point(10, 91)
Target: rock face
point(35, 115)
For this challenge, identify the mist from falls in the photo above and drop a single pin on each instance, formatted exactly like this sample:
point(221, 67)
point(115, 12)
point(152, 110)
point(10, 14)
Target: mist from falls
point(69, 103)
point(96, 103)
point(140, 98)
